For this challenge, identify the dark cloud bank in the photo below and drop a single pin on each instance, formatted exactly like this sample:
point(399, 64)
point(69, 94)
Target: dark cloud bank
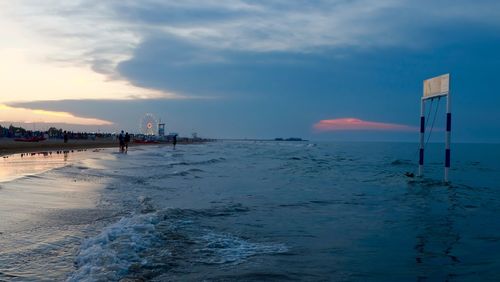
point(283, 93)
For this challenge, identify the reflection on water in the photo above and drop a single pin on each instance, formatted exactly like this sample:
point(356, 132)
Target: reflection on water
point(18, 165)
point(46, 207)
point(436, 235)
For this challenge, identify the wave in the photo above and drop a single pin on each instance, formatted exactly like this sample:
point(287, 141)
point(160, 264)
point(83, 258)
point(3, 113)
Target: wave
point(401, 162)
point(146, 245)
point(110, 255)
point(226, 248)
point(209, 161)
point(429, 183)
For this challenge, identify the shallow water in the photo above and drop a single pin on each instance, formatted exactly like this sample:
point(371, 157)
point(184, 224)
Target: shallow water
point(254, 211)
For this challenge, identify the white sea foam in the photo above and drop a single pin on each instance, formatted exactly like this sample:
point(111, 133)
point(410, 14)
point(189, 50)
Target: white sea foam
point(226, 248)
point(109, 255)
point(126, 246)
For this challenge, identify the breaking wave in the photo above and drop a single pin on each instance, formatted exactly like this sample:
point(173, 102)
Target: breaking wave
point(143, 246)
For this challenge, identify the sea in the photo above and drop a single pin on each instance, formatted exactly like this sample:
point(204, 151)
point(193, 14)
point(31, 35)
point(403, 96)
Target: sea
point(251, 211)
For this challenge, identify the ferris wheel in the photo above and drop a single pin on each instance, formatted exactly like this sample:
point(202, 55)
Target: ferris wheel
point(148, 124)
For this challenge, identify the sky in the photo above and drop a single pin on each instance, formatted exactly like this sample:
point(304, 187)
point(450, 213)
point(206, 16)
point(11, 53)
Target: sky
point(321, 70)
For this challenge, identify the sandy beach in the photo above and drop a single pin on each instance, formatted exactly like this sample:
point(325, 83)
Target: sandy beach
point(9, 146)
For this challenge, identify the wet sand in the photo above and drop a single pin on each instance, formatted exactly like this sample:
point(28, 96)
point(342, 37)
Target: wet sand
point(47, 205)
point(26, 193)
point(9, 146)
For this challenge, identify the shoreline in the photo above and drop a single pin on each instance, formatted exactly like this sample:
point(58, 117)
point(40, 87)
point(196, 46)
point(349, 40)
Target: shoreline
point(9, 147)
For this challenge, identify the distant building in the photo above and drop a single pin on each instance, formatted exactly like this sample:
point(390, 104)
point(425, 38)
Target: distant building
point(161, 129)
point(289, 139)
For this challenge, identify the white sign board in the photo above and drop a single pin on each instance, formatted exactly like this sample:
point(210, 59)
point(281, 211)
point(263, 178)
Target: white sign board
point(437, 86)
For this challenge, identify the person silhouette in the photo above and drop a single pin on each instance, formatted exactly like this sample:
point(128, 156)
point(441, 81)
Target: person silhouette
point(121, 139)
point(127, 140)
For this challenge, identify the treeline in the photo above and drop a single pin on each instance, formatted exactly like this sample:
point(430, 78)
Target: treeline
point(52, 132)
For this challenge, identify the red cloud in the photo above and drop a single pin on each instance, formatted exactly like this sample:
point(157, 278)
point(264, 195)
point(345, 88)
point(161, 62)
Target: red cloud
point(357, 124)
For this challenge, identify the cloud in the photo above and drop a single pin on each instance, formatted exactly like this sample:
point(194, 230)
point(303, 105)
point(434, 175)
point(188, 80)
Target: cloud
point(55, 54)
point(22, 79)
point(101, 36)
point(302, 59)
point(24, 115)
point(104, 33)
point(341, 124)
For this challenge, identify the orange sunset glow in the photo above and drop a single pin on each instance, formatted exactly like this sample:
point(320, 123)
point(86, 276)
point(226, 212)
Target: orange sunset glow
point(357, 124)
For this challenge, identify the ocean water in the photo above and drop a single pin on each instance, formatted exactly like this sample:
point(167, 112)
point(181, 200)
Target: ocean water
point(252, 211)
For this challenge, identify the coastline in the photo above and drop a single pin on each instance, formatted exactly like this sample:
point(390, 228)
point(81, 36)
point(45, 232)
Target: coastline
point(8, 146)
